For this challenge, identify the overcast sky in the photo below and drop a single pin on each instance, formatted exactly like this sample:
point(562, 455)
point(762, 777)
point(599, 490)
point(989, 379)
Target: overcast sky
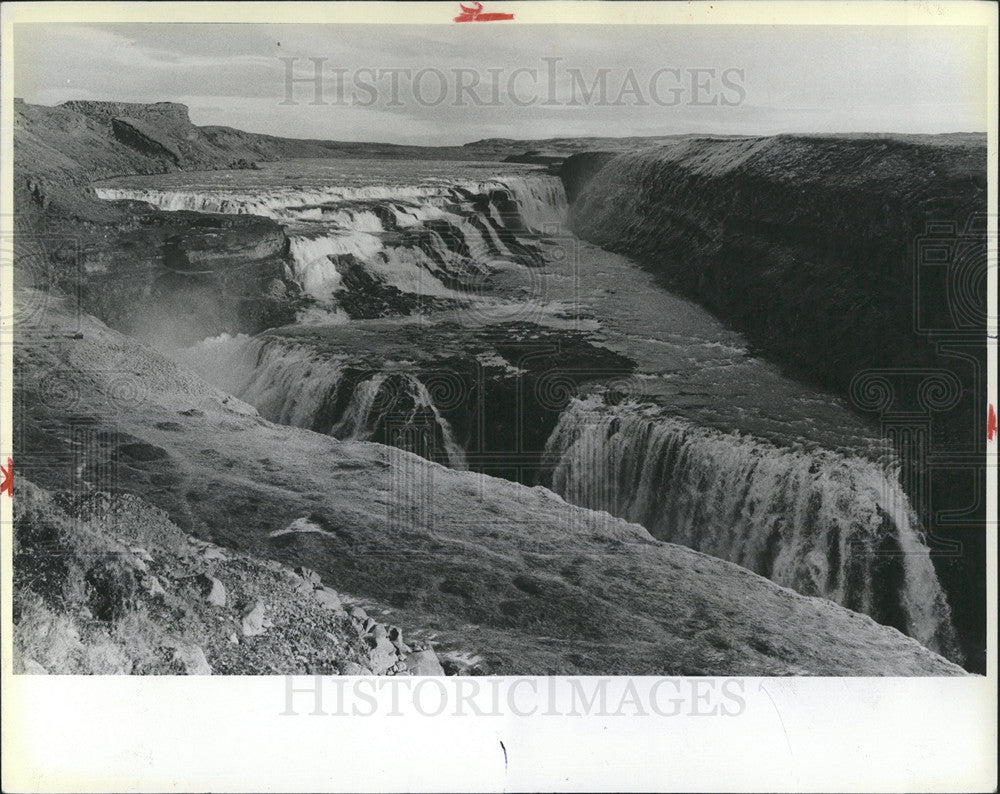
point(663, 80)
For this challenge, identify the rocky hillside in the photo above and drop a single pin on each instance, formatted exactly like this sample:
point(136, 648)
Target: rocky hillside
point(813, 247)
point(105, 583)
point(139, 269)
point(502, 577)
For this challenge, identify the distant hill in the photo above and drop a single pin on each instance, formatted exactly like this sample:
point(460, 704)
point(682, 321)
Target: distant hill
point(59, 151)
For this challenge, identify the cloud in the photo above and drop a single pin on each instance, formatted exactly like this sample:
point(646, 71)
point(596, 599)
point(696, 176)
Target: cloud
point(796, 79)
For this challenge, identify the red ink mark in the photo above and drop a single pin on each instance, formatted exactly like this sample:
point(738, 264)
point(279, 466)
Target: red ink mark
point(8, 478)
point(475, 13)
point(991, 424)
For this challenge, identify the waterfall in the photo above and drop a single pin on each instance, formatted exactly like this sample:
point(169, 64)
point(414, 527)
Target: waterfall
point(821, 523)
point(449, 232)
point(313, 257)
point(399, 399)
point(541, 201)
point(294, 385)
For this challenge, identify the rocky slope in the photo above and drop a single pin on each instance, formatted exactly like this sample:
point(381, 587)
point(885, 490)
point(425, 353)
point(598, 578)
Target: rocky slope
point(105, 583)
point(507, 578)
point(195, 275)
point(821, 250)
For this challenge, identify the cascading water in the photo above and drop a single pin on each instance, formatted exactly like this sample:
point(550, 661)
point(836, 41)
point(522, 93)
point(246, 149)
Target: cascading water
point(293, 385)
point(314, 259)
point(827, 524)
point(401, 400)
point(324, 227)
point(821, 523)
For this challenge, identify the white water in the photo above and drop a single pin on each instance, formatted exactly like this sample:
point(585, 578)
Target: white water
point(322, 226)
point(292, 385)
point(314, 260)
point(541, 201)
point(363, 413)
point(813, 521)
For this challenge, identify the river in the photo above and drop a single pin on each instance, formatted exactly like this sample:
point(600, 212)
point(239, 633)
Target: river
point(452, 313)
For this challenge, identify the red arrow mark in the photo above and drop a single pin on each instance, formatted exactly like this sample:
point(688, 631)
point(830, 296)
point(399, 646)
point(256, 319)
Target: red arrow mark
point(8, 478)
point(474, 13)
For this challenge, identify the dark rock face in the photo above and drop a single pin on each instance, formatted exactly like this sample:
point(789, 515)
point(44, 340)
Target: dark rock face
point(174, 278)
point(170, 278)
point(578, 169)
point(139, 136)
point(812, 247)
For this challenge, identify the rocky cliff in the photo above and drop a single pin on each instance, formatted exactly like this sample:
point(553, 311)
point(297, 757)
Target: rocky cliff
point(820, 250)
point(141, 270)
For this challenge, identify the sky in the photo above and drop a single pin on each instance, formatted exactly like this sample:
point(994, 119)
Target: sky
point(459, 83)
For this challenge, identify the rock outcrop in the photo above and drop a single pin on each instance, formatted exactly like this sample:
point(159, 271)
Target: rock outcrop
point(89, 601)
point(139, 269)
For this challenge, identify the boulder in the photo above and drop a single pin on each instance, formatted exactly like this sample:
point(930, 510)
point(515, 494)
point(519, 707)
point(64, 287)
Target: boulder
point(423, 663)
point(31, 667)
point(352, 668)
point(214, 553)
point(212, 589)
point(309, 575)
point(382, 655)
point(328, 598)
point(192, 658)
point(153, 586)
point(253, 621)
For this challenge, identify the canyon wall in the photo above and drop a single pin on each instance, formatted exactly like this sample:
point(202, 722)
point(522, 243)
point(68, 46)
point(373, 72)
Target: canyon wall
point(857, 263)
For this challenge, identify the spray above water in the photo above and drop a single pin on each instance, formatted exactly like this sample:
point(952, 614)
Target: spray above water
point(293, 385)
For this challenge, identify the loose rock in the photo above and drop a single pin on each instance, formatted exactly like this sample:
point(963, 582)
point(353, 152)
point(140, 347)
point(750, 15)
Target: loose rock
point(213, 590)
point(382, 656)
point(31, 667)
point(253, 621)
point(309, 575)
point(328, 598)
point(424, 663)
point(192, 657)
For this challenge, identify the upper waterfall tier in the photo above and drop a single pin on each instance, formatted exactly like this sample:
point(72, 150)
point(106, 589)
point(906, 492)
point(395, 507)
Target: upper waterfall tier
point(423, 239)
